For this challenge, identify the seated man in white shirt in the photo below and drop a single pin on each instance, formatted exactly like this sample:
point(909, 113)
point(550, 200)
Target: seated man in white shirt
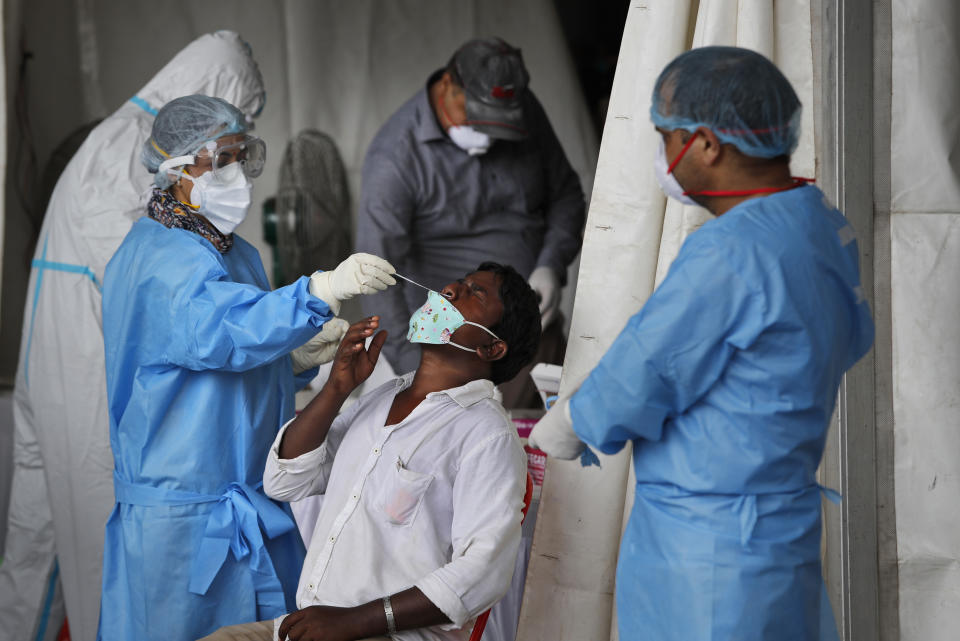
point(423, 478)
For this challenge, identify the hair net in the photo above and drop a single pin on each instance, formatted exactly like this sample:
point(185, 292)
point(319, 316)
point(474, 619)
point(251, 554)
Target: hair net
point(736, 93)
point(183, 125)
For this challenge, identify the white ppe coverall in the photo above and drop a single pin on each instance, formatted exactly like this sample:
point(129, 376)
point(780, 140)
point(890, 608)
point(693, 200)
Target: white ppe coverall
point(62, 461)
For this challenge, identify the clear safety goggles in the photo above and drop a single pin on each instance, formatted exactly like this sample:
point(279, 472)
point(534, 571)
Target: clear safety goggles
point(250, 152)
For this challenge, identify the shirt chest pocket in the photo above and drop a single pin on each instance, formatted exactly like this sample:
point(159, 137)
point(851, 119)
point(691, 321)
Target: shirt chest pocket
point(402, 494)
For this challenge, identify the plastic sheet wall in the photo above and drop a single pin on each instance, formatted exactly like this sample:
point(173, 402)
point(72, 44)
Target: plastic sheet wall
point(341, 67)
point(3, 136)
point(631, 238)
point(6, 421)
point(925, 252)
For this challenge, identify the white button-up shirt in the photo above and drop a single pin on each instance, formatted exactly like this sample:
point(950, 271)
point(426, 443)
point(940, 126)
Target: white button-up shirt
point(433, 502)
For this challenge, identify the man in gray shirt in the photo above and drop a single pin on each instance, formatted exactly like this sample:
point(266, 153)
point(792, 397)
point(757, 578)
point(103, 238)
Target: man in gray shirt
point(470, 170)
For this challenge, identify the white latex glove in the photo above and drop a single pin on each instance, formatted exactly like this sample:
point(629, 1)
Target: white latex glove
point(546, 284)
point(358, 274)
point(276, 625)
point(321, 348)
point(554, 433)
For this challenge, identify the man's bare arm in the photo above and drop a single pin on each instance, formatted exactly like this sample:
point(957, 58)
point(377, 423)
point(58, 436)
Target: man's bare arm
point(352, 365)
point(411, 609)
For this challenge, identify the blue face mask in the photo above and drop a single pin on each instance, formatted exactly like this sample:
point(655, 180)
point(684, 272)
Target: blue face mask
point(437, 320)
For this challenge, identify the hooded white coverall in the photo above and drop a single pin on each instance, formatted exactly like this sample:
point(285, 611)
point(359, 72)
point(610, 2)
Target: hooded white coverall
point(62, 490)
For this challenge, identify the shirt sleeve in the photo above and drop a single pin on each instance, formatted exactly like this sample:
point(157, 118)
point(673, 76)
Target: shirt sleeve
point(384, 222)
point(308, 474)
point(487, 501)
point(674, 349)
point(217, 323)
point(565, 206)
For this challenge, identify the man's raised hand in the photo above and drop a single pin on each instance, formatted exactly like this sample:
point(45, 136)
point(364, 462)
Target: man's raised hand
point(354, 361)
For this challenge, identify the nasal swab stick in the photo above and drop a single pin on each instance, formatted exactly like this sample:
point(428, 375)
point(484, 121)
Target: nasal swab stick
point(411, 281)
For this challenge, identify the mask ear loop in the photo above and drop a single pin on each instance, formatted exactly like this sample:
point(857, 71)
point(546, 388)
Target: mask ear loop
point(798, 181)
point(181, 162)
point(466, 322)
point(178, 161)
point(683, 151)
point(467, 349)
point(184, 174)
point(446, 115)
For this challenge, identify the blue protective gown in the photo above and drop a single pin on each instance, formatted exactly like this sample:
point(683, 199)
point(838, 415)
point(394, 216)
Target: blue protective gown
point(198, 383)
point(725, 382)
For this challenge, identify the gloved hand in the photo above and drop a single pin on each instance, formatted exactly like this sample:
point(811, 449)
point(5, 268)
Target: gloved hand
point(546, 284)
point(321, 348)
point(554, 433)
point(358, 274)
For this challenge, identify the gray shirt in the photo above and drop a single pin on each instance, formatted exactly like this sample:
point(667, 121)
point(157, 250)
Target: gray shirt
point(436, 212)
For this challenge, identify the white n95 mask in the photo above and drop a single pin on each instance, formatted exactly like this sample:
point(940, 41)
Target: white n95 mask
point(436, 321)
point(668, 182)
point(224, 201)
point(469, 139)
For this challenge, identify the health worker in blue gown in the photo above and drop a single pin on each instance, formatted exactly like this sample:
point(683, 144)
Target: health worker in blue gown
point(726, 379)
point(201, 363)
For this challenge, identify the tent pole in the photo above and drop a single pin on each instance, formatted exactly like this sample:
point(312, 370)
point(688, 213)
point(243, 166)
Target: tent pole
point(847, 177)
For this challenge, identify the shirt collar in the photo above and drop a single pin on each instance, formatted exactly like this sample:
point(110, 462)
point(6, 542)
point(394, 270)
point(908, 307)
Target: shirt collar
point(465, 395)
point(428, 128)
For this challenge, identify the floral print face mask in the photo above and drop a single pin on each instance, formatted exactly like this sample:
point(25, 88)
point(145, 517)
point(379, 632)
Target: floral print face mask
point(437, 320)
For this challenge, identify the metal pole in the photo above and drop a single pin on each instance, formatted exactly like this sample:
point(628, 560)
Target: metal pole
point(847, 172)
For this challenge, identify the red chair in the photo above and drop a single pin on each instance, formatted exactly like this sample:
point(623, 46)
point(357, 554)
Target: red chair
point(481, 622)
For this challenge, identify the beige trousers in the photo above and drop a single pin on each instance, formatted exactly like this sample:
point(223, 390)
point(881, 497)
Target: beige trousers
point(256, 631)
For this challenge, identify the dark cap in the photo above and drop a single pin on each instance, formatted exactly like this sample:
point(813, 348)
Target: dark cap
point(494, 79)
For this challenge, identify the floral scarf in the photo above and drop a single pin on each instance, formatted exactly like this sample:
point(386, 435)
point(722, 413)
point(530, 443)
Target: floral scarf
point(170, 212)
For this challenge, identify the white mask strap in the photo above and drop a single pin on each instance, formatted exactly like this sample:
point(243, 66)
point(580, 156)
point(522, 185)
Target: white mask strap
point(466, 322)
point(467, 349)
point(178, 161)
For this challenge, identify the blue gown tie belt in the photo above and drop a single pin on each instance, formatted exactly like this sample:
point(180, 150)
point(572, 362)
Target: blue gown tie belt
point(237, 523)
point(746, 507)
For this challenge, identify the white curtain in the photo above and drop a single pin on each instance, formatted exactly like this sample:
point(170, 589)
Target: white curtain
point(6, 418)
point(3, 137)
point(925, 254)
point(631, 238)
point(341, 67)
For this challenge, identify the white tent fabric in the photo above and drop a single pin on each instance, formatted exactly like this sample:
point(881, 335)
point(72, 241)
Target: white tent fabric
point(338, 67)
point(3, 135)
point(400, 64)
point(6, 441)
point(343, 68)
point(63, 486)
point(925, 253)
point(631, 239)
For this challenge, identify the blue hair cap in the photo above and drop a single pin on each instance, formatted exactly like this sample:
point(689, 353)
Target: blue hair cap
point(736, 93)
point(184, 125)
